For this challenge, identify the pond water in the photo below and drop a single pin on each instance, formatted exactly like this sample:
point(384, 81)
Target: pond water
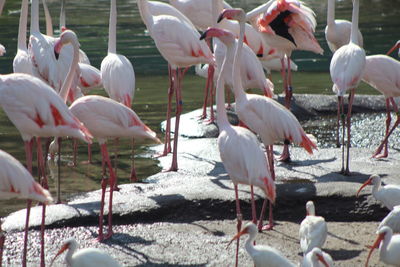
point(379, 23)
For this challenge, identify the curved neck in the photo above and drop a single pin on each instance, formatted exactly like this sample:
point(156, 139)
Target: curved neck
point(49, 21)
point(71, 250)
point(331, 12)
point(112, 27)
point(62, 15)
point(354, 23)
point(145, 13)
point(249, 245)
point(237, 80)
point(71, 72)
point(376, 187)
point(23, 21)
point(35, 16)
point(384, 245)
point(222, 118)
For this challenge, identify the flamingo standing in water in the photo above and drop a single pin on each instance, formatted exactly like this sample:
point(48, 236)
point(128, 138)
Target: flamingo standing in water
point(87, 257)
point(239, 148)
point(346, 68)
point(389, 247)
point(383, 73)
point(262, 255)
point(272, 121)
point(17, 182)
point(181, 53)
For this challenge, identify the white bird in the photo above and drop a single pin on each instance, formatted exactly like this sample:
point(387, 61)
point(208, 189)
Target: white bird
point(87, 257)
point(337, 31)
point(2, 50)
point(346, 69)
point(388, 195)
point(263, 256)
point(389, 247)
point(317, 258)
point(313, 230)
point(392, 220)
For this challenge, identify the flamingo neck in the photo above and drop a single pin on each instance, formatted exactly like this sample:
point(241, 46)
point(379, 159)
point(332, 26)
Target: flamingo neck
point(71, 72)
point(23, 21)
point(112, 28)
point(331, 12)
point(354, 22)
point(62, 15)
point(49, 21)
point(35, 16)
point(145, 13)
point(237, 80)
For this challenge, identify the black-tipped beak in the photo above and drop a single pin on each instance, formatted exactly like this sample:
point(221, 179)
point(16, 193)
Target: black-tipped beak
point(56, 55)
point(203, 35)
point(220, 17)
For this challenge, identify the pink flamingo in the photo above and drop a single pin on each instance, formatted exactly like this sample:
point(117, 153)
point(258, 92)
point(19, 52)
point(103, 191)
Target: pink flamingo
point(178, 42)
point(106, 118)
point(239, 148)
point(266, 117)
point(383, 73)
point(17, 182)
point(347, 67)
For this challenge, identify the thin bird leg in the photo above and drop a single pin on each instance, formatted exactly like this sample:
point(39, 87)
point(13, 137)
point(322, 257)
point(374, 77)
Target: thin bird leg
point(112, 181)
point(179, 76)
point(104, 182)
point(171, 89)
point(42, 173)
point(89, 147)
point(350, 104)
point(2, 241)
point(116, 144)
point(269, 226)
point(343, 129)
point(388, 121)
point(289, 88)
point(285, 156)
point(206, 94)
point(59, 171)
point(133, 170)
point(253, 205)
point(338, 123)
point(239, 223)
point(75, 148)
point(28, 153)
point(396, 123)
point(211, 70)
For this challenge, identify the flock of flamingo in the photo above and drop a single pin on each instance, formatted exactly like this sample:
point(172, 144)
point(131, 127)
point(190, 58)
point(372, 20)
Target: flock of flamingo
point(50, 72)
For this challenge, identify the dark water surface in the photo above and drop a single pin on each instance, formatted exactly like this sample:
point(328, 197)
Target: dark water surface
point(379, 23)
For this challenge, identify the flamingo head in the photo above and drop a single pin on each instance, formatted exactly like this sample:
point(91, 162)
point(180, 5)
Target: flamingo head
point(381, 236)
point(371, 180)
point(233, 14)
point(66, 37)
point(396, 46)
point(225, 36)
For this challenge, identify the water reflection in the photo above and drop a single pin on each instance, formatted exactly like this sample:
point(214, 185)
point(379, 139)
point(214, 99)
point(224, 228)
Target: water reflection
point(379, 24)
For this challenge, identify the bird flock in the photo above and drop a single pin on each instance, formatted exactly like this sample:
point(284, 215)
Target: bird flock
point(44, 98)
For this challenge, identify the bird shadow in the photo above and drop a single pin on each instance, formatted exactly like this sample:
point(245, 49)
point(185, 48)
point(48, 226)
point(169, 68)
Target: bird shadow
point(343, 254)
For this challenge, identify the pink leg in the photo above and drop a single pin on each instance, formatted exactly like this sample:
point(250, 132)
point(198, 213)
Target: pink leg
point(75, 149)
point(133, 170)
point(179, 75)
point(341, 105)
point(396, 123)
point(89, 147)
point(253, 205)
point(351, 98)
point(167, 141)
point(239, 223)
point(211, 70)
point(206, 94)
point(104, 182)
point(270, 225)
point(116, 144)
point(338, 122)
point(2, 241)
point(112, 184)
point(285, 156)
point(289, 88)
point(59, 171)
point(28, 153)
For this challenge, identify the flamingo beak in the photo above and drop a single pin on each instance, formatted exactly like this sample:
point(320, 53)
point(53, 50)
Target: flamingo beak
point(322, 260)
point(62, 249)
point(223, 15)
point(375, 245)
point(212, 32)
point(396, 46)
point(244, 231)
point(369, 181)
point(57, 49)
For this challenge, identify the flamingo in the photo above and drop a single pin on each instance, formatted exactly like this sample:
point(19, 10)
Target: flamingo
point(317, 258)
point(337, 31)
point(286, 25)
point(383, 73)
point(272, 121)
point(313, 230)
point(389, 194)
point(389, 247)
point(346, 69)
point(22, 62)
point(396, 46)
point(392, 220)
point(263, 256)
point(178, 42)
point(17, 182)
point(239, 148)
point(87, 257)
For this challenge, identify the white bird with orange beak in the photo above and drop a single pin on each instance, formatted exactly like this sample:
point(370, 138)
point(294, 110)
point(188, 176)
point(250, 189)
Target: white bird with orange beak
point(389, 194)
point(389, 247)
point(317, 258)
point(263, 256)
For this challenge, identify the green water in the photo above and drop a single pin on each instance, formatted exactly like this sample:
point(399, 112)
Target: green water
point(379, 23)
